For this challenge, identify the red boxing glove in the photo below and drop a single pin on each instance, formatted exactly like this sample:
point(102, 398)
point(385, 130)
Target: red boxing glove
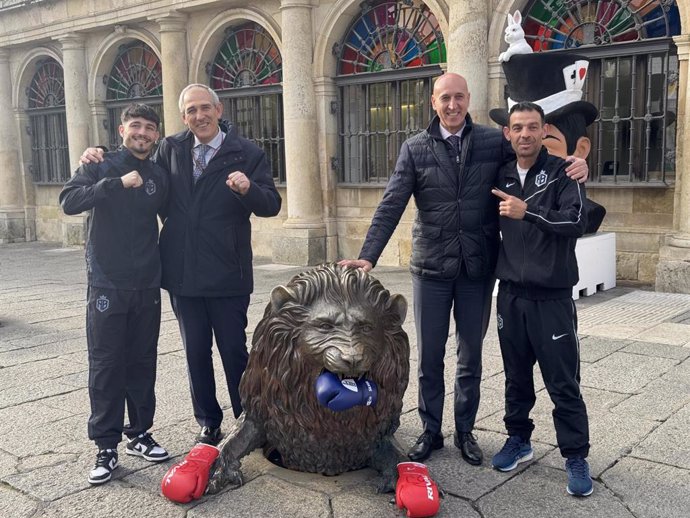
point(187, 480)
point(416, 491)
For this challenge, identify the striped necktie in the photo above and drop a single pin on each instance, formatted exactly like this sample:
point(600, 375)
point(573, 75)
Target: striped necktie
point(455, 143)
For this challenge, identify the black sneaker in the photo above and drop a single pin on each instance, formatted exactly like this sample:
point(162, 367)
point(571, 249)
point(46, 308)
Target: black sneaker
point(209, 435)
point(106, 462)
point(143, 445)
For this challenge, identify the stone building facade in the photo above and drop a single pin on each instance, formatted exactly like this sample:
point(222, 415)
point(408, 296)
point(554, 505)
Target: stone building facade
point(330, 89)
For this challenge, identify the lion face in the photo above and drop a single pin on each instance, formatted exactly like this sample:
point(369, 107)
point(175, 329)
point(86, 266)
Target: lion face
point(337, 319)
point(343, 338)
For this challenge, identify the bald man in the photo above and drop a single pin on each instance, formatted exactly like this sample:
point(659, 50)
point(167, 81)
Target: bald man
point(450, 169)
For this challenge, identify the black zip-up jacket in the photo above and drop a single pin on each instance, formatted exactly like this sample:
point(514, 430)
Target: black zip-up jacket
point(122, 227)
point(538, 252)
point(206, 237)
point(457, 217)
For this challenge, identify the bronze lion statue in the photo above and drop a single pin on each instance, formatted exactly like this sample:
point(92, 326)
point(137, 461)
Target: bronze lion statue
point(333, 319)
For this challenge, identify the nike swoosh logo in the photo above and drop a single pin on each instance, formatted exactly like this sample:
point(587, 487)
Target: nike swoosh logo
point(554, 337)
point(510, 184)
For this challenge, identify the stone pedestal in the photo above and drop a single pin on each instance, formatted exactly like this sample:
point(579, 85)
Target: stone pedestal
point(12, 226)
point(299, 246)
point(673, 270)
point(74, 230)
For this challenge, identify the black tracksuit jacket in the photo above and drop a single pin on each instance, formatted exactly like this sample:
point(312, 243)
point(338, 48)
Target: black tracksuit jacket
point(538, 252)
point(122, 236)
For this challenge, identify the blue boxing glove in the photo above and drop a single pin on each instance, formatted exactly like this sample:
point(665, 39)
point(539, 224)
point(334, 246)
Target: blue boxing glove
point(339, 395)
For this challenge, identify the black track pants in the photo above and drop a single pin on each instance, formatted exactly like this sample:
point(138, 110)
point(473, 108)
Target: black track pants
point(543, 331)
point(122, 329)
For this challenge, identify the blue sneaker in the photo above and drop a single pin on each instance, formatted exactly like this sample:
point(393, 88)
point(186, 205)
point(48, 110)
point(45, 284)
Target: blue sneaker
point(514, 451)
point(579, 481)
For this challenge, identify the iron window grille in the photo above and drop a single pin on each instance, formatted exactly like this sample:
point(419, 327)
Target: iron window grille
point(136, 76)
point(386, 64)
point(47, 124)
point(632, 79)
point(247, 74)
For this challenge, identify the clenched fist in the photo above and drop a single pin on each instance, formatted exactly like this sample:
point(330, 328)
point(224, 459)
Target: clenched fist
point(238, 182)
point(132, 179)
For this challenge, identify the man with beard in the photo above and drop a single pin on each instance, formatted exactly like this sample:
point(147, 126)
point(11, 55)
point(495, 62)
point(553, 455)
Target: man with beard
point(124, 194)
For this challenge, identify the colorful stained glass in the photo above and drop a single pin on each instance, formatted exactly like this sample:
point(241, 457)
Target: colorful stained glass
point(566, 24)
point(247, 57)
point(391, 35)
point(136, 73)
point(47, 88)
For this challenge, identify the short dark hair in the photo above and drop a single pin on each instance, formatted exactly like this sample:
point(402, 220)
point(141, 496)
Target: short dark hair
point(573, 126)
point(526, 106)
point(140, 110)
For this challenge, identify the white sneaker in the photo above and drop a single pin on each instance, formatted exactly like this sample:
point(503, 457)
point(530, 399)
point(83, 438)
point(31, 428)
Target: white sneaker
point(106, 462)
point(143, 445)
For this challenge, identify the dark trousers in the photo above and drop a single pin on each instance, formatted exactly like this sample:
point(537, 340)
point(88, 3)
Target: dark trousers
point(470, 302)
point(543, 331)
point(122, 329)
point(200, 319)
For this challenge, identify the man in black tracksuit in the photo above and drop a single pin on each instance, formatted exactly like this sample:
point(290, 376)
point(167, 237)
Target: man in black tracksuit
point(541, 218)
point(124, 194)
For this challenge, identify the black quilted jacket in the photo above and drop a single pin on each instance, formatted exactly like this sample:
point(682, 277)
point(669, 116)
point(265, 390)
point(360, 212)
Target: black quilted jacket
point(457, 216)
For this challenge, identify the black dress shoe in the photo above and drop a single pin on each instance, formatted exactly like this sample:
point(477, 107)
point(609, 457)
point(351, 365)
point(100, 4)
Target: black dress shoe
point(426, 443)
point(469, 448)
point(209, 435)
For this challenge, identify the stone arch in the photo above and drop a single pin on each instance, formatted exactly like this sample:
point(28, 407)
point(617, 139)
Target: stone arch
point(104, 57)
point(26, 71)
point(339, 19)
point(207, 45)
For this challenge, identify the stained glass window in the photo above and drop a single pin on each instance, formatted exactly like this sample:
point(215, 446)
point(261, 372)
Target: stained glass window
point(135, 73)
point(386, 64)
point(566, 24)
point(48, 124)
point(247, 73)
point(634, 84)
point(47, 87)
point(247, 57)
point(391, 35)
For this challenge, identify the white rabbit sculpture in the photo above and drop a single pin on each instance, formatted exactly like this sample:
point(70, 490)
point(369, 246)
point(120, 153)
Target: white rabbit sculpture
point(515, 37)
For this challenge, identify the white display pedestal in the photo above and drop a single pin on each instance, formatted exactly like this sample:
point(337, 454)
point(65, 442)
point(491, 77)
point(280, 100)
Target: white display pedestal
point(596, 261)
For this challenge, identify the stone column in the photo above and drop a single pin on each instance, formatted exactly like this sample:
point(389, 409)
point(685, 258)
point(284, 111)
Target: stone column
point(76, 95)
point(326, 93)
point(77, 115)
point(302, 240)
point(673, 269)
point(174, 63)
point(467, 51)
point(12, 221)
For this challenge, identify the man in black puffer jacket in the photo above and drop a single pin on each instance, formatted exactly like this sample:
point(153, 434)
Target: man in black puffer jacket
point(450, 169)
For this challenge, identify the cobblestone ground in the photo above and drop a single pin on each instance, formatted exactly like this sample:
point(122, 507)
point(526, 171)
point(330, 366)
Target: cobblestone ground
point(635, 349)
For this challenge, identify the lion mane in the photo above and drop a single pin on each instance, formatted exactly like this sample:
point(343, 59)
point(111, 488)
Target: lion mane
point(277, 388)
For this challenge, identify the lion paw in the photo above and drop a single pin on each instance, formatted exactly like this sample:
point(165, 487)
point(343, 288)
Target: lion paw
point(223, 476)
point(386, 484)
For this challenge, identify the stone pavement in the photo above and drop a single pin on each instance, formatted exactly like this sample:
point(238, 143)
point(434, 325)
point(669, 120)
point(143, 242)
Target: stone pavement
point(635, 348)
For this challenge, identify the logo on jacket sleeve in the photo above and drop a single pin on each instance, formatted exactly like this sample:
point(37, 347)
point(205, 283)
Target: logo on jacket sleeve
point(540, 179)
point(102, 303)
point(150, 187)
